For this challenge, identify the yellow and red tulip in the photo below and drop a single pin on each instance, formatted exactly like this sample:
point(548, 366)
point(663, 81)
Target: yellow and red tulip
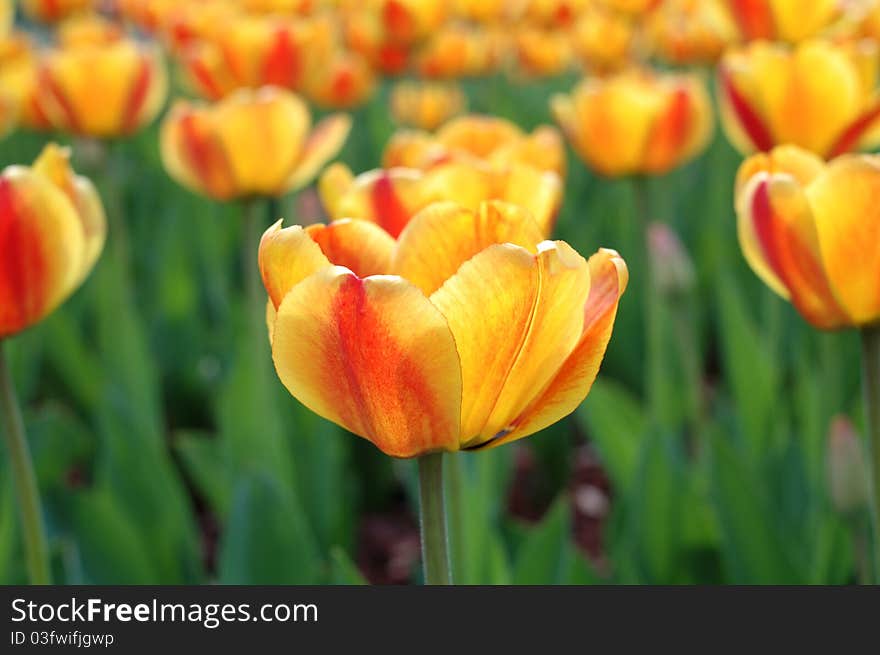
point(478, 336)
point(343, 80)
point(690, 31)
point(811, 232)
point(490, 139)
point(7, 16)
point(783, 20)
point(636, 122)
point(52, 230)
point(426, 105)
point(636, 8)
point(819, 95)
point(486, 11)
point(8, 114)
point(460, 51)
point(49, 11)
point(542, 52)
point(391, 197)
point(88, 30)
point(19, 72)
point(104, 90)
point(251, 143)
point(554, 13)
point(603, 40)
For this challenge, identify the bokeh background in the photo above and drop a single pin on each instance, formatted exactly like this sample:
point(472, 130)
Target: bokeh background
point(167, 451)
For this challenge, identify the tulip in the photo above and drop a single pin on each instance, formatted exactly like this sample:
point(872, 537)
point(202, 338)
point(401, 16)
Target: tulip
point(426, 105)
point(19, 64)
point(52, 230)
point(485, 11)
point(542, 52)
point(818, 95)
point(8, 114)
point(493, 140)
point(102, 91)
point(459, 51)
point(7, 14)
point(480, 335)
point(633, 7)
point(252, 143)
point(603, 41)
point(554, 13)
point(811, 232)
point(690, 31)
point(390, 198)
point(88, 30)
point(341, 81)
point(636, 122)
point(782, 20)
point(49, 11)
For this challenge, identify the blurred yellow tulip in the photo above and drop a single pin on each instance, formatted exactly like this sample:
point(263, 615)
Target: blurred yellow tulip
point(52, 231)
point(603, 40)
point(783, 20)
point(426, 105)
point(690, 31)
point(19, 71)
point(542, 52)
point(819, 95)
point(479, 336)
point(811, 232)
point(87, 29)
point(106, 90)
point(252, 143)
point(636, 122)
point(49, 11)
point(7, 14)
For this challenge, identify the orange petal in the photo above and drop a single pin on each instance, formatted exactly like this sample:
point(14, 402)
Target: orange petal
point(569, 387)
point(360, 246)
point(779, 239)
point(374, 356)
point(324, 143)
point(847, 215)
point(443, 236)
point(287, 256)
point(515, 317)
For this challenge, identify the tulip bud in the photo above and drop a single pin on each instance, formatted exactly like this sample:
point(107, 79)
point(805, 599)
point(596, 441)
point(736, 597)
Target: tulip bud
point(671, 266)
point(847, 476)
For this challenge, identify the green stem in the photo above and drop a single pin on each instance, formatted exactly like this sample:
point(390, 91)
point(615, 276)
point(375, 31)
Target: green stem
point(35, 545)
point(435, 544)
point(871, 384)
point(455, 497)
point(249, 257)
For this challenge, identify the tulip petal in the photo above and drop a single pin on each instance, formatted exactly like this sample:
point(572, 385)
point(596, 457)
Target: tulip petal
point(374, 356)
point(42, 242)
point(287, 256)
point(743, 121)
point(443, 236)
point(360, 246)
point(538, 191)
point(568, 388)
point(847, 215)
point(779, 239)
point(515, 317)
point(325, 141)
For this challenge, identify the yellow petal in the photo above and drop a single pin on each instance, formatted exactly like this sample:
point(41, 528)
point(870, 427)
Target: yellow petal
point(515, 317)
point(287, 256)
point(360, 246)
point(324, 143)
point(443, 236)
point(373, 356)
point(847, 215)
point(568, 388)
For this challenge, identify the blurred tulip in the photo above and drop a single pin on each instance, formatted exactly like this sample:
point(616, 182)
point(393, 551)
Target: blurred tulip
point(49, 11)
point(102, 91)
point(542, 52)
point(633, 7)
point(52, 230)
point(426, 105)
point(603, 41)
point(480, 335)
point(847, 472)
point(672, 270)
point(19, 68)
point(181, 24)
point(488, 11)
point(554, 13)
point(86, 30)
point(282, 7)
point(8, 114)
point(818, 95)
point(636, 122)
point(391, 198)
point(490, 139)
point(783, 20)
point(254, 51)
point(7, 16)
point(457, 51)
point(690, 31)
point(343, 80)
point(251, 143)
point(811, 232)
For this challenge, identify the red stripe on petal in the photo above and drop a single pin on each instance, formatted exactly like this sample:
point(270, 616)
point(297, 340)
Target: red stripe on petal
point(48, 82)
point(138, 96)
point(752, 124)
point(390, 212)
point(754, 18)
point(849, 140)
point(283, 66)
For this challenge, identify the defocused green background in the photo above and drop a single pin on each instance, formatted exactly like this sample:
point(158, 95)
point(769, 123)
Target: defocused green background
point(168, 452)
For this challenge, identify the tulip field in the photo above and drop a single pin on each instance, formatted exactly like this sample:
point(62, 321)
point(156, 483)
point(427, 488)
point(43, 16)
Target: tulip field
point(565, 292)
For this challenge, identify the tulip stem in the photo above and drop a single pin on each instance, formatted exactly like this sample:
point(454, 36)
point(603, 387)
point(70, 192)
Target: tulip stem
point(435, 543)
point(250, 246)
point(25, 481)
point(871, 388)
point(455, 498)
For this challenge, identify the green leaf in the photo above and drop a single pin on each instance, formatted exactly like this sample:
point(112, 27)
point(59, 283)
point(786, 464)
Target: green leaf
point(342, 570)
point(201, 458)
point(545, 555)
